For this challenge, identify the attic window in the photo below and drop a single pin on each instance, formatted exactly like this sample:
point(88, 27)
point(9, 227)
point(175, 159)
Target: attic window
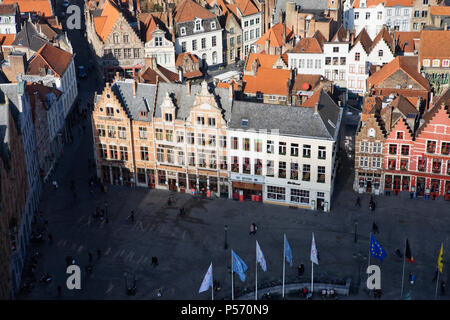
point(143, 114)
point(198, 25)
point(213, 25)
point(182, 31)
point(331, 124)
point(244, 122)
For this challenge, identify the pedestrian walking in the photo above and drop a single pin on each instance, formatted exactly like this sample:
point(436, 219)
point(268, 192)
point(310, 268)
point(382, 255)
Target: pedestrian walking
point(131, 216)
point(90, 257)
point(374, 228)
point(358, 201)
point(412, 278)
point(99, 253)
point(59, 290)
point(253, 228)
point(155, 261)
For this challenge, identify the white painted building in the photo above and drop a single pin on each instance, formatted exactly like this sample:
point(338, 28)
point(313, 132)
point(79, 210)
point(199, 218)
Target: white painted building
point(251, 31)
point(9, 18)
point(285, 157)
point(307, 56)
point(398, 15)
point(360, 14)
point(198, 31)
point(335, 58)
point(162, 48)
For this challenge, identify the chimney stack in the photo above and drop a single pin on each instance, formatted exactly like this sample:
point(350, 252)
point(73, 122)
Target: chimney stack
point(135, 83)
point(267, 46)
point(231, 90)
point(188, 88)
point(316, 108)
point(284, 31)
point(352, 38)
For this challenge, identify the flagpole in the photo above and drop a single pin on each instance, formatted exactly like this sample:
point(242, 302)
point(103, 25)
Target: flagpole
point(437, 284)
point(256, 271)
point(284, 262)
point(212, 284)
point(370, 238)
point(403, 273)
point(232, 277)
point(312, 277)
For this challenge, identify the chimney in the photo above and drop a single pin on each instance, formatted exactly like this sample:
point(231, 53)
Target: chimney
point(17, 63)
point(188, 88)
point(352, 38)
point(134, 88)
point(231, 90)
point(267, 46)
point(316, 108)
point(284, 31)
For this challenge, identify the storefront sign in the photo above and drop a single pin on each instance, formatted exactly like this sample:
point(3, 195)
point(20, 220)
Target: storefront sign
point(294, 183)
point(247, 178)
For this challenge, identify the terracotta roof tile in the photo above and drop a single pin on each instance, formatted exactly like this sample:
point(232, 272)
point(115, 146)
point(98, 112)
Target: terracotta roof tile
point(193, 74)
point(51, 58)
point(403, 3)
point(313, 80)
point(180, 57)
point(382, 35)
point(440, 10)
point(399, 63)
point(340, 35)
point(434, 44)
point(247, 7)
point(309, 45)
point(275, 36)
point(264, 60)
point(371, 105)
point(312, 100)
point(437, 105)
point(104, 23)
point(365, 40)
point(405, 40)
point(8, 9)
point(6, 39)
point(40, 7)
point(267, 81)
point(149, 75)
point(188, 10)
point(369, 3)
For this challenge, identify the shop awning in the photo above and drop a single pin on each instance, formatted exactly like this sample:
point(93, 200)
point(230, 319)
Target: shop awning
point(248, 186)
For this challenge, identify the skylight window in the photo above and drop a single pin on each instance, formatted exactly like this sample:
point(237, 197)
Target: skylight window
point(244, 122)
point(331, 124)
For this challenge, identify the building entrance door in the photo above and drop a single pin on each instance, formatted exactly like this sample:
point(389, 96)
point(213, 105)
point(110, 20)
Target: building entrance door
point(173, 184)
point(320, 202)
point(420, 186)
point(369, 186)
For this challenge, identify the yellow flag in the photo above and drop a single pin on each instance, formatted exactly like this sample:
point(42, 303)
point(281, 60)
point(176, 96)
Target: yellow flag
point(440, 261)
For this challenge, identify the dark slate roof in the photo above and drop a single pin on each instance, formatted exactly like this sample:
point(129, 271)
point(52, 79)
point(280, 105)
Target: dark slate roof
point(184, 102)
point(29, 37)
point(10, 90)
point(142, 101)
point(4, 133)
point(289, 120)
point(189, 25)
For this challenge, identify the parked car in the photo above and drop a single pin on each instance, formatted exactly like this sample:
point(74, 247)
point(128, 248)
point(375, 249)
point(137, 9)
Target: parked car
point(82, 72)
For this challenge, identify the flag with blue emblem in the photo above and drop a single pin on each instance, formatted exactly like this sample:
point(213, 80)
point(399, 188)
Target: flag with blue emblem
point(239, 266)
point(287, 251)
point(376, 250)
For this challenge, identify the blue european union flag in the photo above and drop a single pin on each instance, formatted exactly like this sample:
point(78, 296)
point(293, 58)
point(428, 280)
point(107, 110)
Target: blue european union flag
point(376, 250)
point(239, 266)
point(287, 251)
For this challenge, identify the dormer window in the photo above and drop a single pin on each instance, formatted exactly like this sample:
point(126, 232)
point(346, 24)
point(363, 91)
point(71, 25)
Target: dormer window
point(213, 25)
point(143, 114)
point(168, 117)
point(198, 25)
point(183, 31)
point(158, 42)
point(244, 122)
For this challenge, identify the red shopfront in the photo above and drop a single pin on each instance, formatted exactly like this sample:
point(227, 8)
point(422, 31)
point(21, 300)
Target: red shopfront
point(247, 191)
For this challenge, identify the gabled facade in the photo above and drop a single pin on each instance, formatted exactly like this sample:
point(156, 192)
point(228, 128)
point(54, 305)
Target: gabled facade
point(358, 63)
point(336, 55)
point(232, 33)
point(422, 14)
point(277, 40)
point(307, 56)
point(9, 18)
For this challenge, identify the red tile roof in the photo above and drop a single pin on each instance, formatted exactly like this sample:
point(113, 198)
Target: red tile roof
point(104, 23)
point(340, 35)
point(40, 7)
point(434, 44)
point(264, 60)
point(8, 8)
point(267, 81)
point(399, 63)
point(310, 45)
point(188, 10)
point(6, 39)
point(275, 36)
point(193, 74)
point(405, 40)
point(180, 57)
point(149, 25)
point(440, 10)
point(403, 3)
point(312, 100)
point(51, 58)
point(247, 7)
point(149, 75)
point(365, 40)
point(383, 35)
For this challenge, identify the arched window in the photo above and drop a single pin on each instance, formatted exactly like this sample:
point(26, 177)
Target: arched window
point(214, 57)
point(115, 38)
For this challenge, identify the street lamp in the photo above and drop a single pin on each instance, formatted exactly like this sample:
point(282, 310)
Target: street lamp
point(226, 244)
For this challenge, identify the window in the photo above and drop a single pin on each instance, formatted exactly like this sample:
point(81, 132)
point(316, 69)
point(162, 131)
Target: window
point(212, 161)
point(306, 151)
point(300, 196)
point(168, 117)
point(309, 63)
point(276, 193)
point(142, 133)
point(415, 26)
point(160, 154)
point(201, 139)
point(194, 44)
point(321, 174)
point(116, 38)
point(246, 36)
point(416, 14)
point(113, 152)
point(281, 169)
point(445, 148)
point(343, 61)
point(367, 15)
point(201, 160)
point(191, 158)
point(357, 56)
point(136, 52)
point(258, 167)
point(101, 130)
point(426, 62)
point(159, 134)
point(257, 34)
point(183, 31)
point(400, 135)
point(361, 70)
point(335, 49)
point(270, 146)
point(392, 149)
point(180, 137)
point(246, 168)
point(223, 163)
point(169, 135)
point(376, 162)
point(203, 43)
point(294, 149)
point(201, 121)
point(294, 171)
point(213, 25)
point(282, 148)
point(335, 61)
point(318, 64)
point(190, 137)
point(269, 168)
point(214, 41)
point(258, 145)
point(158, 42)
point(198, 25)
point(322, 152)
point(181, 158)
point(109, 111)
point(252, 34)
point(239, 39)
point(306, 172)
point(111, 131)
point(246, 144)
point(364, 146)
point(223, 141)
point(404, 164)
point(424, 13)
point(232, 42)
point(212, 122)
point(380, 53)
point(405, 150)
point(183, 46)
point(127, 53)
point(123, 153)
point(445, 63)
point(436, 62)
point(391, 164)
point(122, 132)
point(234, 143)
point(379, 15)
point(431, 146)
point(363, 162)
point(356, 15)
point(257, 21)
point(234, 164)
point(327, 61)
point(436, 166)
point(103, 151)
point(212, 140)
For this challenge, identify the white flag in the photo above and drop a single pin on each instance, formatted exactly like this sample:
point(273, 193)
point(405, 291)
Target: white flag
point(207, 280)
point(260, 257)
point(314, 251)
